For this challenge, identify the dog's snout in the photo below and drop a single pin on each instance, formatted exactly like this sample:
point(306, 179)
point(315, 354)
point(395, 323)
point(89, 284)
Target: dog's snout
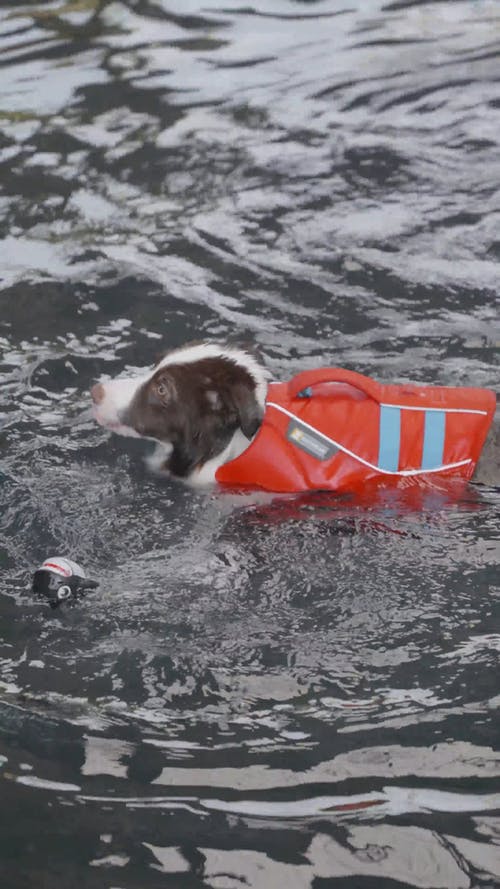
point(97, 393)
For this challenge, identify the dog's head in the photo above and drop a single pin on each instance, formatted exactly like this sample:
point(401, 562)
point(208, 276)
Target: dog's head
point(194, 399)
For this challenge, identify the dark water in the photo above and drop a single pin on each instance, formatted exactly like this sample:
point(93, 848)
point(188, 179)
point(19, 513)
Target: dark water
point(266, 692)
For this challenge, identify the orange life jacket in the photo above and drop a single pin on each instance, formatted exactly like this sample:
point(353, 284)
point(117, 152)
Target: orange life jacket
point(333, 429)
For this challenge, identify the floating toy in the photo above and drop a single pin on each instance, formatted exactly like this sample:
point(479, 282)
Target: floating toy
point(60, 579)
point(334, 429)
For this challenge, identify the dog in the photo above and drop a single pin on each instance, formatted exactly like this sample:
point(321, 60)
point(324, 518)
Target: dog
point(203, 405)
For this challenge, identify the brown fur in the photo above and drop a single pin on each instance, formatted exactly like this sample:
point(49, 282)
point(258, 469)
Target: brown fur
point(196, 407)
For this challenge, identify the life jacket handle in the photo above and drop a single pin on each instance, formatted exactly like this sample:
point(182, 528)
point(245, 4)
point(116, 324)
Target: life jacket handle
point(301, 384)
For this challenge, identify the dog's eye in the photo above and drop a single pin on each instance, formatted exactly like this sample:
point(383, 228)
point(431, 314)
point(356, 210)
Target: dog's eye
point(161, 390)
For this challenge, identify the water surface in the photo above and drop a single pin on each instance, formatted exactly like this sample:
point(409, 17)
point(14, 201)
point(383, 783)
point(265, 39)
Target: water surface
point(265, 691)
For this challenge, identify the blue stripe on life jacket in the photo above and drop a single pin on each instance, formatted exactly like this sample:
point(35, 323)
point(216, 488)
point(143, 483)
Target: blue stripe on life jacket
point(389, 438)
point(434, 430)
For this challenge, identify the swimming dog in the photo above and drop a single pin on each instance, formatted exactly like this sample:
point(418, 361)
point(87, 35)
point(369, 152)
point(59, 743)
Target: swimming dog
point(204, 403)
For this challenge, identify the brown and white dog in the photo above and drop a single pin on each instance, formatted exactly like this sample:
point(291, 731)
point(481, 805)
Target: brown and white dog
point(202, 404)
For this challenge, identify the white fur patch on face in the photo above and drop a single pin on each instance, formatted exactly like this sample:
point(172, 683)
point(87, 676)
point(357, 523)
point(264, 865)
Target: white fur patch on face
point(118, 395)
point(213, 398)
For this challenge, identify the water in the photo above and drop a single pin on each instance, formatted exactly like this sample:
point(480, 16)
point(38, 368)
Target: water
point(265, 691)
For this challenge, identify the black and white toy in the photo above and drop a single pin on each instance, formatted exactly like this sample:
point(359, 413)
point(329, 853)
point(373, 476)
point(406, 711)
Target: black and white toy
point(60, 579)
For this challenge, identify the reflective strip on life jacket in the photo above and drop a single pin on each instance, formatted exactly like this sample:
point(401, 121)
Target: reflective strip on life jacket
point(434, 430)
point(389, 438)
point(389, 445)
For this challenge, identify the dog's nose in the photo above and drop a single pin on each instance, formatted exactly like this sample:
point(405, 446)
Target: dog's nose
point(97, 393)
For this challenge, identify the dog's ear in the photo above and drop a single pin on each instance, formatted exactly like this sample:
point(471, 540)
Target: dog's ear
point(248, 409)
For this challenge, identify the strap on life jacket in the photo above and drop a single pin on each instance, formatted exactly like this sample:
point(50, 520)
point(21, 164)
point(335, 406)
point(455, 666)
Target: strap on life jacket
point(300, 386)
